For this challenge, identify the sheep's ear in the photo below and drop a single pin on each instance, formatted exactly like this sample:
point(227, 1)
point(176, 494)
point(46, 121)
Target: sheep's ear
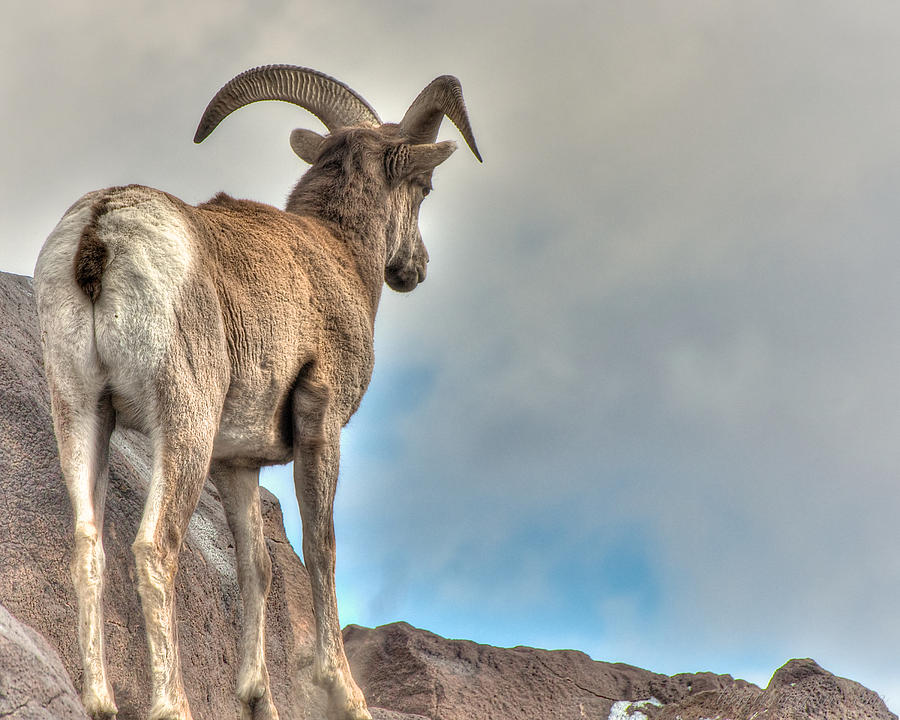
point(426, 157)
point(306, 144)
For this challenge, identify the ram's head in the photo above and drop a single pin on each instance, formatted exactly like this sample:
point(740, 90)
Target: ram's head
point(390, 163)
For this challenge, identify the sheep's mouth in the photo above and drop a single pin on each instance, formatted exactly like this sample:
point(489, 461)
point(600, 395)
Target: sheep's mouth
point(404, 279)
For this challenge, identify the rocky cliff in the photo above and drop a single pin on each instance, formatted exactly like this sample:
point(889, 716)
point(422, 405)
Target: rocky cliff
point(406, 673)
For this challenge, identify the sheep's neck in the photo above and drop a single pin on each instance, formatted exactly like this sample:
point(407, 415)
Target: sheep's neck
point(355, 218)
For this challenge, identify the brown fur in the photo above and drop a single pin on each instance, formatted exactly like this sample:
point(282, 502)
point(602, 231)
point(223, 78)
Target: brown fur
point(92, 254)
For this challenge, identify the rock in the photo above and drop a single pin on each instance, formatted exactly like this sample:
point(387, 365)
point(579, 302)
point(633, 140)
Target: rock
point(414, 671)
point(801, 685)
point(36, 549)
point(33, 683)
point(799, 689)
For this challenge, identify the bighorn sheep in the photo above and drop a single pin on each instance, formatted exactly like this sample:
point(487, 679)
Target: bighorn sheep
point(234, 335)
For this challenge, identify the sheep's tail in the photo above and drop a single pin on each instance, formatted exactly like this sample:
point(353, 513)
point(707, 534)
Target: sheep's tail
point(92, 254)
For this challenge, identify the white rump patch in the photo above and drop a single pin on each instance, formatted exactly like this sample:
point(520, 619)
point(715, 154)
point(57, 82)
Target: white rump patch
point(150, 254)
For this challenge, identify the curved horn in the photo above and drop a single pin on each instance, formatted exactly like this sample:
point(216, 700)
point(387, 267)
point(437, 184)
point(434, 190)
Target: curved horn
point(443, 96)
point(335, 104)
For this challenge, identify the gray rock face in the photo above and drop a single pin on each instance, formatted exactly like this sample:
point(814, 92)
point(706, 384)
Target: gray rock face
point(36, 549)
point(33, 683)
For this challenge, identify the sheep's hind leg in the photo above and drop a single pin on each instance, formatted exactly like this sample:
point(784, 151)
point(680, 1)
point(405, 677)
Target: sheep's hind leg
point(83, 421)
point(316, 456)
point(187, 416)
point(239, 491)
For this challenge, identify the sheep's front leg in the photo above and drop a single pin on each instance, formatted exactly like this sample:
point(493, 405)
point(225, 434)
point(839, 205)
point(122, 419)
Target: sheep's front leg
point(239, 491)
point(316, 455)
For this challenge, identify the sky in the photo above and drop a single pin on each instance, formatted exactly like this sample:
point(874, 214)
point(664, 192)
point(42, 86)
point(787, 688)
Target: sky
point(647, 403)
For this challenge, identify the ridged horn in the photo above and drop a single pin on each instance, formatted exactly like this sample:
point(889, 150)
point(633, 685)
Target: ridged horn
point(335, 104)
point(443, 96)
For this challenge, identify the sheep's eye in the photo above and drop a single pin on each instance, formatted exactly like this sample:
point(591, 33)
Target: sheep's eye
point(425, 191)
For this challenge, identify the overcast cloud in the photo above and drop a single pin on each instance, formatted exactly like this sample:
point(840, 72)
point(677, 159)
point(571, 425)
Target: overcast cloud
point(647, 404)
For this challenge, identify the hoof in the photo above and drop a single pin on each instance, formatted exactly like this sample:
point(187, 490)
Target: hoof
point(255, 697)
point(346, 702)
point(260, 709)
point(359, 713)
point(103, 714)
point(167, 711)
point(100, 706)
point(345, 699)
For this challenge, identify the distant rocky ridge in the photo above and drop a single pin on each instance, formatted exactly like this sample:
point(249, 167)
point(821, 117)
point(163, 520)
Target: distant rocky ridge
point(407, 674)
point(417, 672)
